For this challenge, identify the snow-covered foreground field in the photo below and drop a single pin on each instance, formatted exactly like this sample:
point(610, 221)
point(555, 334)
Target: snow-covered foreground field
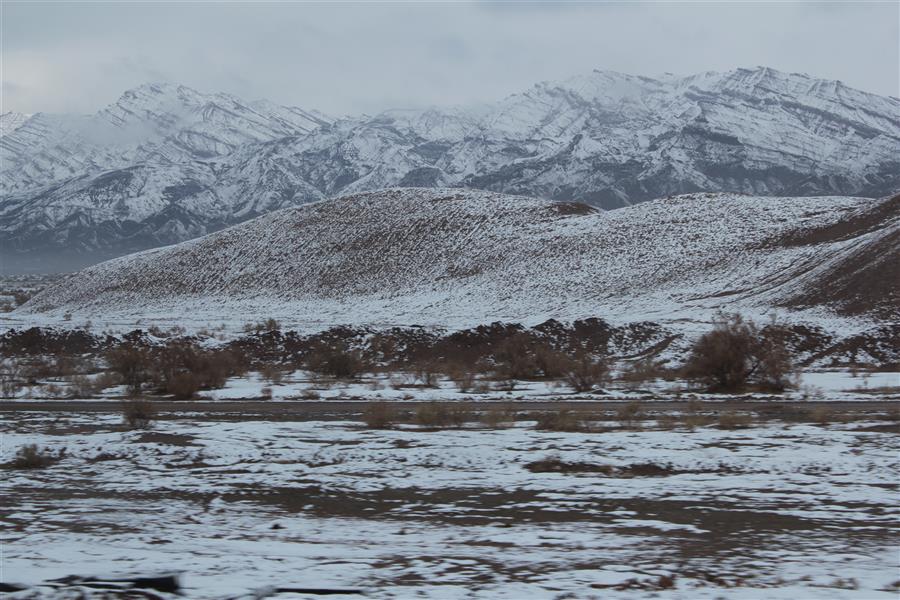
point(778, 510)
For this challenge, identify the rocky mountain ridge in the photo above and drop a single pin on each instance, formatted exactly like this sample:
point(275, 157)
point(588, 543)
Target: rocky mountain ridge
point(166, 163)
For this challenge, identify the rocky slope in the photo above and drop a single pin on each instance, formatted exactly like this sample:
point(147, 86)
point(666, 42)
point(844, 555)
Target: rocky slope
point(166, 163)
point(460, 258)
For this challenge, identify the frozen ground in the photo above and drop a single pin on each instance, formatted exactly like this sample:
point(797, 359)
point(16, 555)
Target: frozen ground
point(812, 385)
point(776, 511)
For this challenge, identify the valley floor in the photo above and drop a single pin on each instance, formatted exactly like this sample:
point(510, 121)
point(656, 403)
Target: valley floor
point(253, 496)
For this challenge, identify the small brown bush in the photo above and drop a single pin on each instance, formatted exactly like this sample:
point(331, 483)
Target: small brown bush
point(642, 371)
point(496, 417)
point(138, 414)
point(464, 379)
point(379, 415)
point(427, 374)
point(736, 353)
point(436, 414)
point(10, 384)
point(584, 373)
point(31, 456)
point(734, 420)
point(183, 386)
point(630, 415)
point(82, 386)
point(132, 364)
point(339, 363)
point(560, 420)
point(273, 374)
point(309, 394)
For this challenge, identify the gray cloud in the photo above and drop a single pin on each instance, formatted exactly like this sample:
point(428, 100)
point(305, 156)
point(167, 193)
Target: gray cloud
point(350, 58)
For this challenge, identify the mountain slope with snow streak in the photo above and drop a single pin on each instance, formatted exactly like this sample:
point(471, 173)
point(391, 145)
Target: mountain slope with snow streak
point(166, 163)
point(460, 258)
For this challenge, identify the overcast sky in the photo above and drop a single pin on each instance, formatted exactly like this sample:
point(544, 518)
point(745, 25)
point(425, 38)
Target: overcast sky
point(351, 58)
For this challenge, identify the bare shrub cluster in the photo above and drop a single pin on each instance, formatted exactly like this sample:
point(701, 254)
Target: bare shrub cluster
point(737, 353)
point(138, 414)
point(31, 456)
point(338, 362)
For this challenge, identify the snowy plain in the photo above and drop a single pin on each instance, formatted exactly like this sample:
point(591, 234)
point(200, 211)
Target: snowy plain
point(777, 511)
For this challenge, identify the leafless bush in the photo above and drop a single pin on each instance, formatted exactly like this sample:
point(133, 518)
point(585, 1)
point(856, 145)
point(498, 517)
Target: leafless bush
point(822, 415)
point(435, 414)
point(132, 364)
point(549, 363)
point(273, 374)
point(584, 373)
point(138, 413)
point(515, 358)
point(642, 371)
point(736, 353)
point(10, 383)
point(31, 456)
point(182, 368)
point(82, 386)
point(270, 325)
point(630, 414)
point(428, 374)
point(734, 420)
point(507, 384)
point(463, 378)
point(560, 420)
point(379, 415)
point(496, 417)
point(309, 394)
point(265, 393)
point(339, 363)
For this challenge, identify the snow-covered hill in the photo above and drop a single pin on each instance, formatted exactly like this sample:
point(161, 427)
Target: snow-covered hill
point(460, 258)
point(166, 163)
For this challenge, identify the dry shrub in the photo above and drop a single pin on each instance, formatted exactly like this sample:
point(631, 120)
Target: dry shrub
point(182, 369)
point(497, 417)
point(515, 358)
point(736, 353)
point(507, 384)
point(584, 373)
point(339, 363)
point(630, 415)
point(82, 386)
point(31, 456)
point(138, 413)
point(265, 393)
point(549, 363)
point(273, 374)
point(734, 420)
point(481, 387)
point(642, 371)
point(560, 420)
point(435, 414)
point(463, 378)
point(428, 374)
point(132, 364)
point(309, 394)
point(270, 325)
point(822, 415)
point(10, 384)
point(379, 415)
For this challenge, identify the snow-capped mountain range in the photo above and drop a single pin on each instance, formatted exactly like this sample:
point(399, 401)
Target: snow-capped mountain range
point(166, 163)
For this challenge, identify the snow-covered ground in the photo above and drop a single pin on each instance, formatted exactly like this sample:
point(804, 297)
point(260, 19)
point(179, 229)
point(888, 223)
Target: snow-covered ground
point(776, 511)
point(812, 385)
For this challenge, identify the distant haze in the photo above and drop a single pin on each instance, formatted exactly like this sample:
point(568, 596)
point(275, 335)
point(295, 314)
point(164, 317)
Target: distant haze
point(350, 58)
